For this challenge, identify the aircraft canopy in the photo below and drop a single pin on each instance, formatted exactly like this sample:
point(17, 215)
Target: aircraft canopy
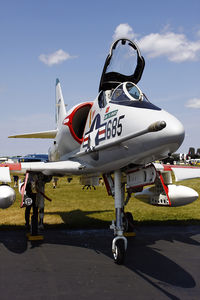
point(123, 63)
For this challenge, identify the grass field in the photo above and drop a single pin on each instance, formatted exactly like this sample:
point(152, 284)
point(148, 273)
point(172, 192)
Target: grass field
point(74, 208)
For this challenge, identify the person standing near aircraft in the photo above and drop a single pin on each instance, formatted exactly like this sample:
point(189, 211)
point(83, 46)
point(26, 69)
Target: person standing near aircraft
point(15, 178)
point(31, 193)
point(40, 181)
point(34, 197)
point(55, 182)
point(40, 186)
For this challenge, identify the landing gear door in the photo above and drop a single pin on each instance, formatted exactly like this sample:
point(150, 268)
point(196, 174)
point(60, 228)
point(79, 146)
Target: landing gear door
point(123, 63)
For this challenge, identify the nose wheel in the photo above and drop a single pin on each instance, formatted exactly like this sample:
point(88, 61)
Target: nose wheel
point(119, 246)
point(128, 222)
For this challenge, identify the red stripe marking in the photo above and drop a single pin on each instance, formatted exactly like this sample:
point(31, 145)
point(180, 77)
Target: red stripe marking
point(24, 188)
point(107, 109)
point(102, 131)
point(165, 188)
point(107, 185)
point(12, 166)
point(169, 167)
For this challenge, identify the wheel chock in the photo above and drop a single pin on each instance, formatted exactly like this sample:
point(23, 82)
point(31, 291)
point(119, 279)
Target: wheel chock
point(129, 234)
point(34, 237)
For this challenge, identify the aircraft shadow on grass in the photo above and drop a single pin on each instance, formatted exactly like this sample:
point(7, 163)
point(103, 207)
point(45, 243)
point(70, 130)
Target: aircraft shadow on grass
point(143, 259)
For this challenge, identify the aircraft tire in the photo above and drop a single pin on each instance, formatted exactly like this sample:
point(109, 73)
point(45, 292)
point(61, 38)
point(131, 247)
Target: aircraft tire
point(129, 225)
point(119, 253)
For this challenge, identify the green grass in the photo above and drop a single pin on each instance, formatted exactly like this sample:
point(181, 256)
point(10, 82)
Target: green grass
point(74, 208)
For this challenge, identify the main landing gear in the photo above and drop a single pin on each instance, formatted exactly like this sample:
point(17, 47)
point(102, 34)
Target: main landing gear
point(123, 221)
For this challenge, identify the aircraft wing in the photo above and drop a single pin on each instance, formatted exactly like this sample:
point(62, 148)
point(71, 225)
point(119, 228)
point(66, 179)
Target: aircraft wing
point(51, 134)
point(180, 172)
point(47, 168)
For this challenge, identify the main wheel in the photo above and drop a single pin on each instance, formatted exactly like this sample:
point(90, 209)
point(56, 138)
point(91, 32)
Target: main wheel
point(128, 220)
point(119, 252)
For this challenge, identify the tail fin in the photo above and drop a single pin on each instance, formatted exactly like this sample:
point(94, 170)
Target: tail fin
point(191, 151)
point(198, 151)
point(60, 105)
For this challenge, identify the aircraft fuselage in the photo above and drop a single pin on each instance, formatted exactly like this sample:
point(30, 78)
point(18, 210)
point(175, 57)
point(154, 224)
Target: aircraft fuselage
point(105, 127)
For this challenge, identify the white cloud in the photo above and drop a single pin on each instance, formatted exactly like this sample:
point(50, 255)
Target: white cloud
point(193, 103)
point(122, 31)
point(55, 58)
point(198, 33)
point(176, 47)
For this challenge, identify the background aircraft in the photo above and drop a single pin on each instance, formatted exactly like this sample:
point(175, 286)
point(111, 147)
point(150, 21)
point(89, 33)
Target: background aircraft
point(192, 155)
point(33, 157)
point(190, 158)
point(118, 135)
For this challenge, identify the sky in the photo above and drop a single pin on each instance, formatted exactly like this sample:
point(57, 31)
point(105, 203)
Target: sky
point(44, 40)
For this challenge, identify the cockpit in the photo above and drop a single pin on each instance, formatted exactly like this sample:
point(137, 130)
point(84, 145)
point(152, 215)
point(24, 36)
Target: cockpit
point(127, 91)
point(128, 94)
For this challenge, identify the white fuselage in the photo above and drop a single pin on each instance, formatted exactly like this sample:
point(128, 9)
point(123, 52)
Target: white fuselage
point(106, 126)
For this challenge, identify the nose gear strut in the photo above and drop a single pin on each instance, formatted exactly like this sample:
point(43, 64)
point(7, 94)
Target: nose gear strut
point(119, 243)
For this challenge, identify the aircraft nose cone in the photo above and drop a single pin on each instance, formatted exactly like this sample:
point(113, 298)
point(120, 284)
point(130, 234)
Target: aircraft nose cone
point(175, 133)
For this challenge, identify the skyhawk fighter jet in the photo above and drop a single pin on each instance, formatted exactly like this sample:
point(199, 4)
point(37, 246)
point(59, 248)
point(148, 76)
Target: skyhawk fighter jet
point(118, 136)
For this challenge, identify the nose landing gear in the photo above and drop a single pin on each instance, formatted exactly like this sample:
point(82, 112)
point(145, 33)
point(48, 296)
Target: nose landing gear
point(119, 243)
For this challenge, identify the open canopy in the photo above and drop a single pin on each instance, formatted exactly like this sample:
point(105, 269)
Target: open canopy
point(122, 65)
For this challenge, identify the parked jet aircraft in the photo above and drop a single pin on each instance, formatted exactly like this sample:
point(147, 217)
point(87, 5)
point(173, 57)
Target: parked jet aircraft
point(33, 158)
point(189, 157)
point(192, 155)
point(118, 135)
